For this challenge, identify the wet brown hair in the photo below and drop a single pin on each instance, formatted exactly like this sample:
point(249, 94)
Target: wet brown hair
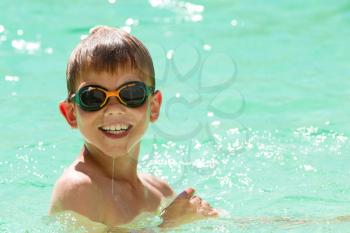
point(111, 50)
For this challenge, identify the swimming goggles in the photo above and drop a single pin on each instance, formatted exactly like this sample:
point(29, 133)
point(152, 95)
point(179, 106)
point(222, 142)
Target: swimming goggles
point(93, 97)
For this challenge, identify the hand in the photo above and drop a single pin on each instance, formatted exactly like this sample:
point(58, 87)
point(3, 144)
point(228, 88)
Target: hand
point(186, 208)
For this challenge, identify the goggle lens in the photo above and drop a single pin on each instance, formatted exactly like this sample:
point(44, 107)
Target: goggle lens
point(91, 98)
point(134, 96)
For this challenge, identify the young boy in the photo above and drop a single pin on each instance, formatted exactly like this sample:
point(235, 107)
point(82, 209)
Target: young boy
point(111, 100)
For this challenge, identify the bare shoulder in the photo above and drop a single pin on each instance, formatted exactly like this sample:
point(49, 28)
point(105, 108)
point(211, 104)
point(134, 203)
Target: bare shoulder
point(76, 192)
point(159, 184)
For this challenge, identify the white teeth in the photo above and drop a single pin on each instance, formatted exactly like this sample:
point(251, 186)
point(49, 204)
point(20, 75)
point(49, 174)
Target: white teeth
point(124, 127)
point(116, 127)
point(116, 132)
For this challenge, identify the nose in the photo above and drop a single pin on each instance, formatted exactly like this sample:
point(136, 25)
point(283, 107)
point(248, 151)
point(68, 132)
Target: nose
point(114, 107)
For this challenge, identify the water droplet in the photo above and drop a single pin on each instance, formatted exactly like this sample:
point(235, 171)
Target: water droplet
point(196, 18)
point(170, 54)
point(23, 45)
point(20, 32)
point(49, 50)
point(126, 29)
point(11, 78)
point(234, 22)
point(3, 38)
point(207, 47)
point(82, 37)
point(129, 21)
point(215, 123)
point(233, 131)
point(309, 168)
point(156, 3)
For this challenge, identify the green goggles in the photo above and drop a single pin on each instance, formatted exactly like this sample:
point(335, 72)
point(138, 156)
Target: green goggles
point(93, 97)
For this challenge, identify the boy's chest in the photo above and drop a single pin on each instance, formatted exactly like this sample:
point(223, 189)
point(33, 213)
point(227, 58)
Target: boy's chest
point(121, 206)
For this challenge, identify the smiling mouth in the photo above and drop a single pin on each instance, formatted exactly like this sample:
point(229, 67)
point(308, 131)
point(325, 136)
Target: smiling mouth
point(116, 129)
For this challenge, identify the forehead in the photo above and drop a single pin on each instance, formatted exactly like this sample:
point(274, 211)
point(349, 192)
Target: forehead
point(112, 80)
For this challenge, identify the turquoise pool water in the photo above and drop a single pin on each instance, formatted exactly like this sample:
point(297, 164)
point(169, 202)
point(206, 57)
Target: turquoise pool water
point(255, 112)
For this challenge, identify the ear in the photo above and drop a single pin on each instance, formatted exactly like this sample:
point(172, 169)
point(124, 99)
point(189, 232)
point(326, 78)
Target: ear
point(155, 106)
point(67, 110)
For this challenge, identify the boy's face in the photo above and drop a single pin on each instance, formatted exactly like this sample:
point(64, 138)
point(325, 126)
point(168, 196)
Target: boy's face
point(98, 128)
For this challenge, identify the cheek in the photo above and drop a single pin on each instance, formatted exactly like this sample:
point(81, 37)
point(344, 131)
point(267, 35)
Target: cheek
point(81, 119)
point(143, 113)
point(85, 121)
point(141, 117)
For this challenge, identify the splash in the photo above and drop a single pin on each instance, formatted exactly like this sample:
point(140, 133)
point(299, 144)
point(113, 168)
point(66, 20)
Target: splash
point(29, 47)
point(185, 10)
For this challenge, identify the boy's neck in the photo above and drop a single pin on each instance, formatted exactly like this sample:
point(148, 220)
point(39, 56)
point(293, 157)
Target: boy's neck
point(123, 168)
